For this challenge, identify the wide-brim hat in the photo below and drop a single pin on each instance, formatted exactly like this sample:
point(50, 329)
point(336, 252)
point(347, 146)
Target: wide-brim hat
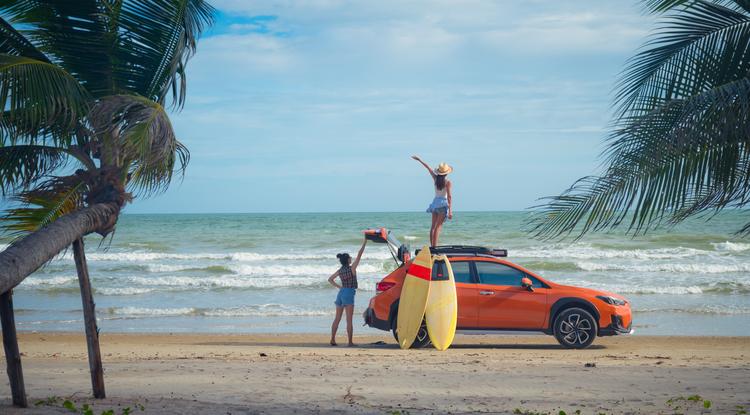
point(443, 169)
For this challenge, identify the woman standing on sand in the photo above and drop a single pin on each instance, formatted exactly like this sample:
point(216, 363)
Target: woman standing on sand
point(347, 290)
point(441, 206)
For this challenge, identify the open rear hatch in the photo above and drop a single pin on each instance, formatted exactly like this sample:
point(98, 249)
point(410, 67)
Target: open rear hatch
point(400, 252)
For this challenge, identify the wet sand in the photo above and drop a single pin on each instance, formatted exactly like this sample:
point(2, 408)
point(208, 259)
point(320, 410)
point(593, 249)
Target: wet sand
point(299, 373)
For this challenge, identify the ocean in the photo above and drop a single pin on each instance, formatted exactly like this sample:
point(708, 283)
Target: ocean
point(239, 273)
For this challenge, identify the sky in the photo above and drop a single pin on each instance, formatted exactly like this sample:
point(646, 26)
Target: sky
point(317, 105)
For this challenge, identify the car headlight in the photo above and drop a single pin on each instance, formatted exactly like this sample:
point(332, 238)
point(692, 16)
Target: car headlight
point(611, 300)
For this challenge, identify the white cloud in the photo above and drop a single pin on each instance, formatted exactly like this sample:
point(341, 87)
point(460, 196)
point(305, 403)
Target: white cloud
point(413, 26)
point(354, 85)
point(254, 50)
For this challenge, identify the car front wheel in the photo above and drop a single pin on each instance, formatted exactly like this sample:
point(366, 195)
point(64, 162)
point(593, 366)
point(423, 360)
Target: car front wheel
point(422, 339)
point(575, 328)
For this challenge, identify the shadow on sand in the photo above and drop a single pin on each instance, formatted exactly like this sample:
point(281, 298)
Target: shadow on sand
point(392, 346)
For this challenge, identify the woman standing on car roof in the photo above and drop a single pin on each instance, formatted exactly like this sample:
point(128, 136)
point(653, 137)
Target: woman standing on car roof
point(347, 290)
point(441, 206)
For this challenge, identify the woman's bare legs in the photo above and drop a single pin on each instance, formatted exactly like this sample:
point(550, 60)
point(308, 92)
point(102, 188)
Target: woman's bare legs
point(335, 325)
point(433, 241)
point(349, 326)
point(438, 227)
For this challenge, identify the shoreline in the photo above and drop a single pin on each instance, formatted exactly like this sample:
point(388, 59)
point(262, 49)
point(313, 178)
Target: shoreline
point(370, 333)
point(284, 373)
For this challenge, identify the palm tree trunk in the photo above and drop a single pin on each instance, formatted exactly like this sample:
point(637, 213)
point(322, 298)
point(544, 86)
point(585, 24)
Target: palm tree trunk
point(28, 254)
point(12, 354)
point(89, 317)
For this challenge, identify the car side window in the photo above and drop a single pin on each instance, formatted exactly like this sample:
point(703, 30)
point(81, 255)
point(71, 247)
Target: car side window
point(462, 272)
point(535, 282)
point(498, 274)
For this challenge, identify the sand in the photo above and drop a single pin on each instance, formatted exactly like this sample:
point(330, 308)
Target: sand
point(290, 373)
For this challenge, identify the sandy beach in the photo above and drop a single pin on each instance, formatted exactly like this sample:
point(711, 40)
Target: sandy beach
point(291, 373)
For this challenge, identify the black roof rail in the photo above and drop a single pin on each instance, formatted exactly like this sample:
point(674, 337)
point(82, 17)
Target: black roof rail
point(466, 250)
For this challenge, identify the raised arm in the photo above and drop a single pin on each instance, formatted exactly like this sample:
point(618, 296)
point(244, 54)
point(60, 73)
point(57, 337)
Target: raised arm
point(332, 278)
point(426, 166)
point(359, 255)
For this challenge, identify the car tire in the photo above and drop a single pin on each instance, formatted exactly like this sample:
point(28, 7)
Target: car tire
point(575, 328)
point(422, 339)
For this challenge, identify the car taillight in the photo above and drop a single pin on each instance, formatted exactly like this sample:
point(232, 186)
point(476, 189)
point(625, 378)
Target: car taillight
point(384, 286)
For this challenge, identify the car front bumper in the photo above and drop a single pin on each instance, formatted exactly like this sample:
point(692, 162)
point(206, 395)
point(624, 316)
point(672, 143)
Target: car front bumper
point(616, 327)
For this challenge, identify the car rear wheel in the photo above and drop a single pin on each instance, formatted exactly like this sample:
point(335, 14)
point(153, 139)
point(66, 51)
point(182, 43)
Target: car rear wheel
point(422, 339)
point(575, 328)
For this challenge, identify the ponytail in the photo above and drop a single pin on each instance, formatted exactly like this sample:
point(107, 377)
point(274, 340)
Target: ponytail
point(344, 259)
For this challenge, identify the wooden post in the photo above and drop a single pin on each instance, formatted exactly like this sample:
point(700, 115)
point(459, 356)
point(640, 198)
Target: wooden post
point(89, 317)
point(12, 355)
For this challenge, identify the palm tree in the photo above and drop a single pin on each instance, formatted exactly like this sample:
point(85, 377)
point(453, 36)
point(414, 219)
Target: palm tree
point(84, 129)
point(680, 144)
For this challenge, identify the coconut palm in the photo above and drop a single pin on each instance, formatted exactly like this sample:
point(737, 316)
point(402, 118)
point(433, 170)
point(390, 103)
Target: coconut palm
point(680, 144)
point(84, 85)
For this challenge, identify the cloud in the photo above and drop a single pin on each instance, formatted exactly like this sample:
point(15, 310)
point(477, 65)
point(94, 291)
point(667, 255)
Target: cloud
point(257, 51)
point(349, 89)
point(415, 26)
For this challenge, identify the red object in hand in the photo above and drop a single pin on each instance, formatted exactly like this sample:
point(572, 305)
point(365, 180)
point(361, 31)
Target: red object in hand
point(384, 286)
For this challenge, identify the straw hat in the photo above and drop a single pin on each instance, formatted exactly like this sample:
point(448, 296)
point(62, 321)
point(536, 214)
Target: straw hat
point(443, 169)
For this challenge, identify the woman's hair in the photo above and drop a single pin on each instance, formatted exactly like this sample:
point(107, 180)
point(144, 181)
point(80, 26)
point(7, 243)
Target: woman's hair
point(440, 181)
point(344, 259)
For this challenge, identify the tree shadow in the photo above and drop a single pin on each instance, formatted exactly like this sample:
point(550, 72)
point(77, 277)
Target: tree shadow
point(381, 345)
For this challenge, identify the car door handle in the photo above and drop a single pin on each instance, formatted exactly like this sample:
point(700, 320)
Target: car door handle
point(486, 293)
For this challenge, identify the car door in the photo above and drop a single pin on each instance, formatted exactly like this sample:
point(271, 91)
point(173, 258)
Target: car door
point(503, 303)
point(466, 291)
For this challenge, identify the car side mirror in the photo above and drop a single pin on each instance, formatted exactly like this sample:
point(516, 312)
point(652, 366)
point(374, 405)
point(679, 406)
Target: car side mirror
point(526, 283)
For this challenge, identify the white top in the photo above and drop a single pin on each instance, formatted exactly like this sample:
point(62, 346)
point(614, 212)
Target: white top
point(442, 193)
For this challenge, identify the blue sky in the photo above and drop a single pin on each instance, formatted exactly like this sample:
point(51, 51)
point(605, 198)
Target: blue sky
point(316, 105)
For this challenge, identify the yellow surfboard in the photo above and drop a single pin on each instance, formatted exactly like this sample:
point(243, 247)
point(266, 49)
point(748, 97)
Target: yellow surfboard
point(442, 304)
point(413, 300)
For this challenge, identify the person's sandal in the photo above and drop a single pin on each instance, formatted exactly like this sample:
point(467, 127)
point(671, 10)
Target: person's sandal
point(334, 344)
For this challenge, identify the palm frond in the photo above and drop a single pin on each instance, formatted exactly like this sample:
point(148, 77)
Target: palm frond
point(42, 206)
point(12, 42)
point(132, 46)
point(703, 46)
point(661, 6)
point(38, 98)
point(171, 28)
point(147, 145)
point(23, 165)
point(681, 139)
point(63, 29)
point(684, 158)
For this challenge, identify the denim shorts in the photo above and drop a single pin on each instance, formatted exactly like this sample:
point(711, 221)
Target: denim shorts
point(441, 211)
point(345, 297)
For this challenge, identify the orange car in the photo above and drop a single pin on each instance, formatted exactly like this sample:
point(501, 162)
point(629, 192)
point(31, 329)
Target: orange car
point(497, 295)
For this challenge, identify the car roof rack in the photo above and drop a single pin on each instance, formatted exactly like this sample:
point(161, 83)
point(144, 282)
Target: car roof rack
point(455, 250)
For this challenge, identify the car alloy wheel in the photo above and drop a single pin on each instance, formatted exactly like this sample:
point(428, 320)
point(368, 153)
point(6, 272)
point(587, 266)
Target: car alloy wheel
point(575, 328)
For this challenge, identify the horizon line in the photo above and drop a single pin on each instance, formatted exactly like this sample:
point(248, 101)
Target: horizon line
point(311, 212)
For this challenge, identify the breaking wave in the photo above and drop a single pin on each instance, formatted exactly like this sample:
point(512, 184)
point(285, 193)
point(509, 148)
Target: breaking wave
point(665, 267)
point(586, 251)
point(139, 256)
point(707, 309)
point(261, 310)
